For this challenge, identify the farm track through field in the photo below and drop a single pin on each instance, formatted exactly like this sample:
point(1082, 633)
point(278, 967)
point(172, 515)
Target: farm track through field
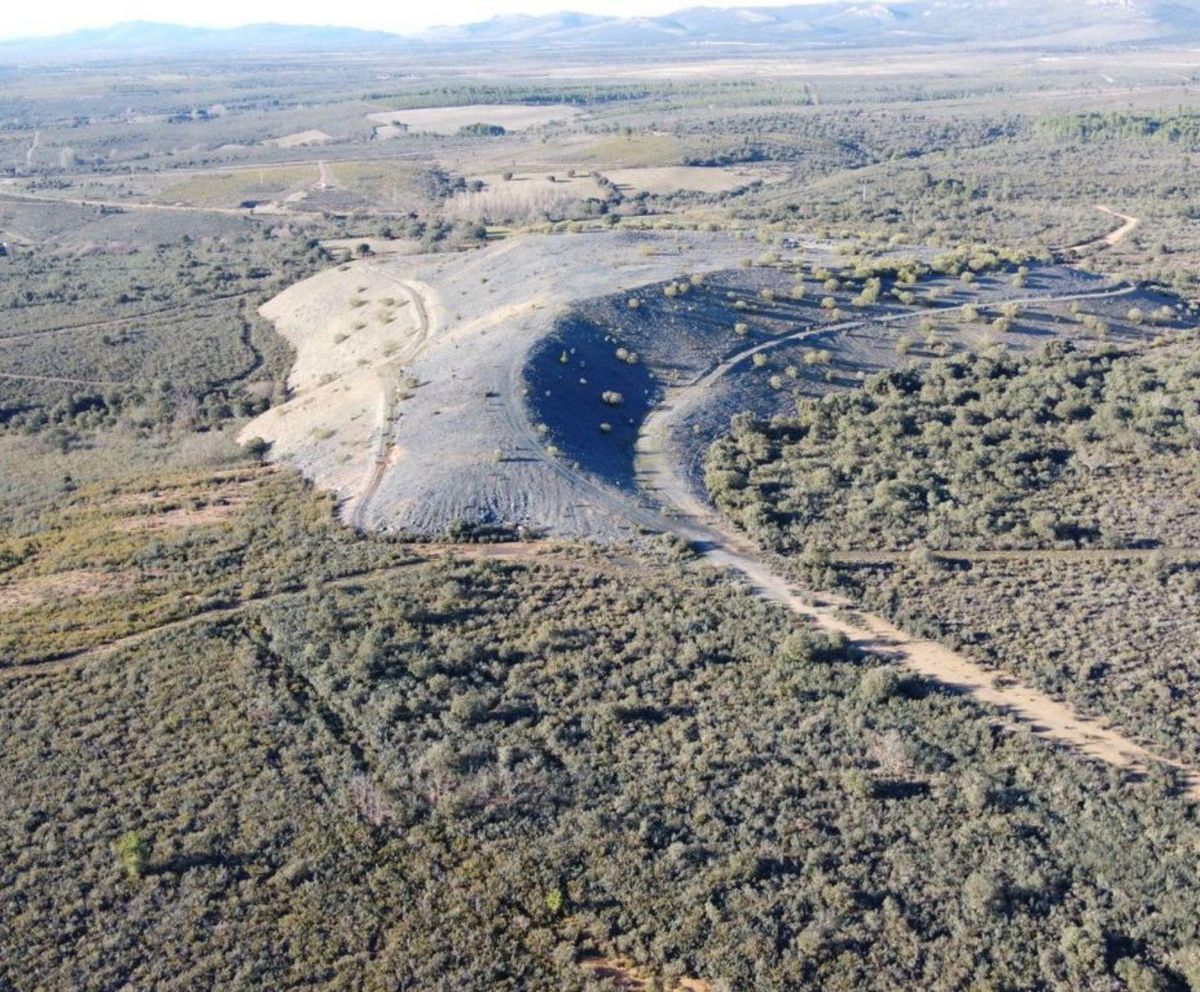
point(660, 474)
point(324, 178)
point(188, 172)
point(122, 205)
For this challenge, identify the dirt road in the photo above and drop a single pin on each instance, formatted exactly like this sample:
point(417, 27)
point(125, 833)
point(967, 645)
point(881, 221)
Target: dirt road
point(1113, 238)
point(123, 205)
point(173, 311)
point(59, 379)
point(660, 474)
point(1035, 555)
point(1037, 712)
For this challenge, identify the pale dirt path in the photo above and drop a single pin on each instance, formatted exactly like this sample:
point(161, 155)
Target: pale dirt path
point(719, 371)
point(59, 379)
point(1019, 555)
point(380, 156)
point(7, 194)
point(37, 141)
point(126, 205)
point(659, 474)
point(627, 976)
point(385, 452)
point(177, 311)
point(1037, 712)
point(522, 551)
point(1113, 238)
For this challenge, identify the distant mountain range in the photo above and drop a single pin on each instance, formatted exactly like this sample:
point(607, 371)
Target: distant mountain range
point(145, 38)
point(847, 24)
point(857, 25)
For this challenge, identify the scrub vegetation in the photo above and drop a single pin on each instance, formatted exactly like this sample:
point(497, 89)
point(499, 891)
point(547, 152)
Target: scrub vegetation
point(253, 739)
point(1060, 449)
point(481, 773)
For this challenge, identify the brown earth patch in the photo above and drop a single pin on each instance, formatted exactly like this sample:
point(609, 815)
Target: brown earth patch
point(626, 975)
point(78, 583)
point(215, 512)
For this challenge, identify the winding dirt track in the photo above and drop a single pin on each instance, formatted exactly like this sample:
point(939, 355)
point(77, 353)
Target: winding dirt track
point(121, 205)
point(174, 311)
point(58, 379)
point(510, 551)
point(675, 507)
point(1041, 554)
point(1113, 238)
point(660, 474)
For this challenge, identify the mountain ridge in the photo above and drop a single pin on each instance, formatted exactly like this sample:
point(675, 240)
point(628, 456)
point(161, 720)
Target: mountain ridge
point(835, 24)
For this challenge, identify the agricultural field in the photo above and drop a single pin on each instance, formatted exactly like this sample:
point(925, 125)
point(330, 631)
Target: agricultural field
point(697, 517)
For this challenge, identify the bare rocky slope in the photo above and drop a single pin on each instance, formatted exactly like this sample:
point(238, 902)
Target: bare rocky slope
point(508, 386)
point(491, 393)
point(419, 418)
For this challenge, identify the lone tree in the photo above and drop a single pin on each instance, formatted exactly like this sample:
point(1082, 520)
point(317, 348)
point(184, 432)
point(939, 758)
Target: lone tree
point(133, 852)
point(257, 448)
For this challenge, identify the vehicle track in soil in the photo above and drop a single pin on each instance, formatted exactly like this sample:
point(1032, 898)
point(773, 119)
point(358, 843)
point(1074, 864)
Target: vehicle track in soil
point(659, 475)
point(385, 452)
point(1113, 238)
point(523, 552)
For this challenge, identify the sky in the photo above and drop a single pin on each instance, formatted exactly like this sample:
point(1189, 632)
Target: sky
point(23, 20)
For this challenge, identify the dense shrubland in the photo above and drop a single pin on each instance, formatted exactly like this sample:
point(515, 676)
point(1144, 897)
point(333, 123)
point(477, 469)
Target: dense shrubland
point(471, 774)
point(1179, 127)
point(1060, 449)
point(1113, 637)
point(464, 776)
point(148, 337)
point(842, 138)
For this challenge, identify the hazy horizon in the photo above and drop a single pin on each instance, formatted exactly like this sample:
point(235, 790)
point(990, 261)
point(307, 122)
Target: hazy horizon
point(46, 20)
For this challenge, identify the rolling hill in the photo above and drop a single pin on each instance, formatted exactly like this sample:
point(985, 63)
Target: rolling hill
point(865, 25)
point(847, 24)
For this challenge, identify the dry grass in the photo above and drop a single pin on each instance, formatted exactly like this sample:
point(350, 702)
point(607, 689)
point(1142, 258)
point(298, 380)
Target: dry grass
point(113, 559)
point(76, 583)
point(229, 189)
